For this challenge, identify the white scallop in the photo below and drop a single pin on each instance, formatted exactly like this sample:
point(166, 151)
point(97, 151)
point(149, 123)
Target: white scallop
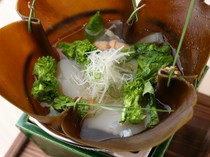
point(66, 70)
point(108, 121)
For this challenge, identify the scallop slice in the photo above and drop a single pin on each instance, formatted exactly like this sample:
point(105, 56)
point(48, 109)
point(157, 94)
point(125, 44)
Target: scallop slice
point(105, 125)
point(66, 70)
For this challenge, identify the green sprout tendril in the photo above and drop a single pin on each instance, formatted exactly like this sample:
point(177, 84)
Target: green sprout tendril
point(32, 14)
point(181, 39)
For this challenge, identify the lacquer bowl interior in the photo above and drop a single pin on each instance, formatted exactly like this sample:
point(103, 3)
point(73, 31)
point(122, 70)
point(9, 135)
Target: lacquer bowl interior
point(55, 19)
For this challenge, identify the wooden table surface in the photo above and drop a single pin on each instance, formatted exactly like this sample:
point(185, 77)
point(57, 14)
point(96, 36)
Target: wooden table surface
point(193, 140)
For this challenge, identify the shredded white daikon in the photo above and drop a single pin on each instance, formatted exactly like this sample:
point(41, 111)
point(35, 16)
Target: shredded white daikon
point(102, 71)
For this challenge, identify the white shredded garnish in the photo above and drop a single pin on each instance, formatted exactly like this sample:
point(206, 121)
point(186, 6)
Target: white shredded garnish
point(102, 71)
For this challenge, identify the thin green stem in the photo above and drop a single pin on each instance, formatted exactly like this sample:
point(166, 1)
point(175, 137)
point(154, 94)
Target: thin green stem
point(134, 16)
point(134, 8)
point(31, 14)
point(182, 38)
point(119, 108)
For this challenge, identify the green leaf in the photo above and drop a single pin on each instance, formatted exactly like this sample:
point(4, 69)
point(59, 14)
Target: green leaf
point(152, 111)
point(132, 97)
point(45, 65)
point(45, 89)
point(77, 50)
point(94, 29)
point(82, 108)
point(62, 103)
point(151, 58)
point(160, 150)
point(148, 88)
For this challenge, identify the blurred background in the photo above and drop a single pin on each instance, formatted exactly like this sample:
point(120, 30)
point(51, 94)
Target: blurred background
point(9, 114)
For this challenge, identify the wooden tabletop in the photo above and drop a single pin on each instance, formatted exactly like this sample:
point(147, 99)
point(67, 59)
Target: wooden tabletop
point(193, 140)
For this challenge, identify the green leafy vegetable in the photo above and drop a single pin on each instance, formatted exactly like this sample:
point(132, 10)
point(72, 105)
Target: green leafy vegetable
point(152, 111)
point(62, 103)
point(94, 29)
point(45, 89)
point(151, 58)
point(154, 119)
point(77, 50)
point(45, 65)
point(148, 88)
point(82, 108)
point(133, 96)
point(149, 95)
point(140, 92)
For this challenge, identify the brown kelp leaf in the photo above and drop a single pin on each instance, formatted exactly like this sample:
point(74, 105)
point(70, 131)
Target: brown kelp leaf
point(19, 50)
